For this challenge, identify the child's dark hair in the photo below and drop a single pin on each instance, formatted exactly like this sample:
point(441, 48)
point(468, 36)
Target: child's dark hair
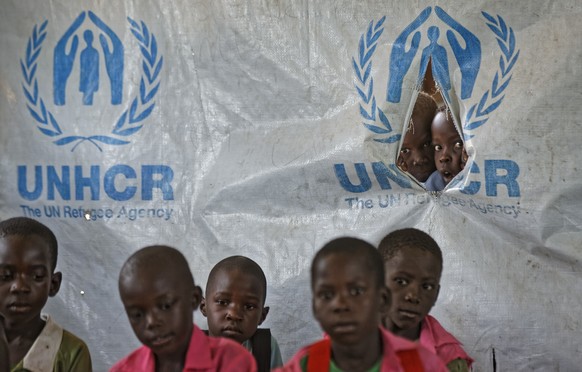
point(24, 226)
point(243, 264)
point(352, 247)
point(160, 256)
point(405, 238)
point(425, 105)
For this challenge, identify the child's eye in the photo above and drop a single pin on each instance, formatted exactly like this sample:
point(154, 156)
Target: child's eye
point(250, 306)
point(426, 144)
point(222, 302)
point(325, 295)
point(38, 276)
point(428, 287)
point(166, 306)
point(458, 145)
point(438, 147)
point(134, 315)
point(401, 281)
point(6, 276)
point(356, 291)
point(404, 151)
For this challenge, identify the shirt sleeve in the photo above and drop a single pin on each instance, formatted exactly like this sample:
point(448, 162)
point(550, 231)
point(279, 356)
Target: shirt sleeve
point(73, 355)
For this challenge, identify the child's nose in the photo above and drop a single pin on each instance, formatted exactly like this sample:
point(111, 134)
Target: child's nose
point(340, 303)
point(234, 312)
point(444, 156)
point(419, 159)
point(152, 320)
point(412, 295)
point(19, 285)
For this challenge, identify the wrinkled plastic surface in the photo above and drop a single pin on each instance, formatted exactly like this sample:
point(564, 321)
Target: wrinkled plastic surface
point(259, 143)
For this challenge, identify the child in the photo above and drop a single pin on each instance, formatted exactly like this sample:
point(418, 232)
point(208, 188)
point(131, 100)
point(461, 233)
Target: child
point(159, 295)
point(349, 298)
point(413, 262)
point(235, 306)
point(450, 156)
point(28, 258)
point(417, 155)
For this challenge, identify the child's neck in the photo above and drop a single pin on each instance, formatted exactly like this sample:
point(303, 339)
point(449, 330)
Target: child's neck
point(20, 337)
point(169, 365)
point(360, 357)
point(411, 334)
point(29, 330)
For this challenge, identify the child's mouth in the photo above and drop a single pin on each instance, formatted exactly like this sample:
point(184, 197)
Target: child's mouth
point(19, 308)
point(161, 340)
point(341, 328)
point(408, 314)
point(231, 331)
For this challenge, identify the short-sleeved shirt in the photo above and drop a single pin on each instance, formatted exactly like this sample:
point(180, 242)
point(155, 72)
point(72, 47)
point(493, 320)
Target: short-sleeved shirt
point(204, 354)
point(390, 362)
point(55, 350)
point(438, 340)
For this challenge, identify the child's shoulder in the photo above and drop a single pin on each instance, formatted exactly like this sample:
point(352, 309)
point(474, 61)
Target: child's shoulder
point(436, 338)
point(218, 353)
point(73, 352)
point(56, 346)
point(432, 326)
point(408, 354)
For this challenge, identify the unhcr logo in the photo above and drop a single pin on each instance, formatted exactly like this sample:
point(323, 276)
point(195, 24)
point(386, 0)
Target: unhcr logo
point(444, 46)
point(89, 43)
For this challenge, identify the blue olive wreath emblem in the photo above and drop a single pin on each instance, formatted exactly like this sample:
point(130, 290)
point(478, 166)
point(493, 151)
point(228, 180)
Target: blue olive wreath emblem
point(130, 120)
point(405, 48)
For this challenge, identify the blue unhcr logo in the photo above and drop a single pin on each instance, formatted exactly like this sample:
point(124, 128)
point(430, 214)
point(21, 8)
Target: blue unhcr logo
point(412, 44)
point(468, 58)
point(68, 51)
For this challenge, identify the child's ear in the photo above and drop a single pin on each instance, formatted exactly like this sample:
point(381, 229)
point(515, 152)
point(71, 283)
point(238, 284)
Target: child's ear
point(402, 164)
point(385, 300)
point(264, 314)
point(196, 297)
point(203, 307)
point(56, 279)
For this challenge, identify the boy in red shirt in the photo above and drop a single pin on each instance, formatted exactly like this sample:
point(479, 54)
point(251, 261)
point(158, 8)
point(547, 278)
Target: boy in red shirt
point(349, 298)
point(413, 263)
point(159, 295)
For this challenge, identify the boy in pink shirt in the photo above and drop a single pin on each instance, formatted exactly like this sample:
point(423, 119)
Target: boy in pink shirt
point(349, 298)
point(413, 263)
point(159, 295)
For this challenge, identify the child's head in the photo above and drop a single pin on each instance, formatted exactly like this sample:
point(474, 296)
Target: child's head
point(28, 258)
point(413, 263)
point(159, 295)
point(349, 295)
point(235, 298)
point(417, 155)
point(449, 153)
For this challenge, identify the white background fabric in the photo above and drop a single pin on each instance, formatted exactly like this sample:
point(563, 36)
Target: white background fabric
point(257, 102)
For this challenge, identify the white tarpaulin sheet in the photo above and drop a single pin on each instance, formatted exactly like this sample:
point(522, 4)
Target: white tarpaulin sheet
point(266, 128)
